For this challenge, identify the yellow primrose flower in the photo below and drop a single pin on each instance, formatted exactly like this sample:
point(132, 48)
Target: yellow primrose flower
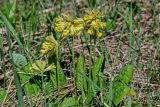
point(79, 21)
point(48, 47)
point(93, 20)
point(41, 66)
point(68, 26)
point(91, 15)
point(90, 31)
point(38, 66)
point(95, 27)
point(76, 30)
point(99, 35)
point(60, 24)
point(65, 33)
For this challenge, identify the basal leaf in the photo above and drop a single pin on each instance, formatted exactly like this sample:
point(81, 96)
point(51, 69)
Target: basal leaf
point(97, 67)
point(61, 77)
point(68, 102)
point(32, 89)
point(120, 84)
point(48, 88)
point(89, 97)
point(19, 60)
point(120, 90)
point(125, 74)
point(80, 73)
point(24, 78)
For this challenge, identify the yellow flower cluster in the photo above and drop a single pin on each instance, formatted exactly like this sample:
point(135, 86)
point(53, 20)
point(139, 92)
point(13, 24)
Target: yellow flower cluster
point(74, 27)
point(93, 18)
point(41, 66)
point(92, 15)
point(48, 47)
point(67, 26)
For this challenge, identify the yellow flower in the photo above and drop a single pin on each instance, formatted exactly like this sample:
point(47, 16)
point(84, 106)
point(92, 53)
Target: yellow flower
point(65, 33)
point(91, 15)
point(48, 47)
point(38, 66)
point(95, 26)
point(41, 66)
point(76, 30)
point(93, 20)
point(67, 26)
point(79, 21)
point(60, 24)
point(90, 31)
point(99, 35)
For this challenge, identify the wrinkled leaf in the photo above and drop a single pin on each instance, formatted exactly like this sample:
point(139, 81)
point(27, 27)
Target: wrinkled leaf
point(68, 102)
point(80, 73)
point(32, 89)
point(97, 68)
point(125, 74)
point(120, 90)
point(120, 84)
point(19, 60)
point(61, 77)
point(48, 88)
point(24, 78)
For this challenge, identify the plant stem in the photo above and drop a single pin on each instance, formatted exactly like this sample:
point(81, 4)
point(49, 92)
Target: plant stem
point(90, 56)
point(57, 49)
point(73, 63)
point(94, 49)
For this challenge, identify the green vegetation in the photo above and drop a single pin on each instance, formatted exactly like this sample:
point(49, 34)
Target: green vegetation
point(79, 53)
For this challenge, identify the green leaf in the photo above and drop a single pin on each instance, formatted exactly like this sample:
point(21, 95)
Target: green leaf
point(120, 84)
point(97, 67)
point(2, 94)
point(89, 97)
point(6, 7)
point(125, 74)
point(102, 82)
point(48, 88)
point(53, 77)
point(96, 77)
point(120, 90)
point(80, 76)
point(61, 77)
point(11, 29)
point(68, 102)
point(80, 73)
point(24, 78)
point(32, 89)
point(19, 60)
point(12, 10)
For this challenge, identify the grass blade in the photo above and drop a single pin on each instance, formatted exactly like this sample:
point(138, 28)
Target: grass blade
point(11, 29)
